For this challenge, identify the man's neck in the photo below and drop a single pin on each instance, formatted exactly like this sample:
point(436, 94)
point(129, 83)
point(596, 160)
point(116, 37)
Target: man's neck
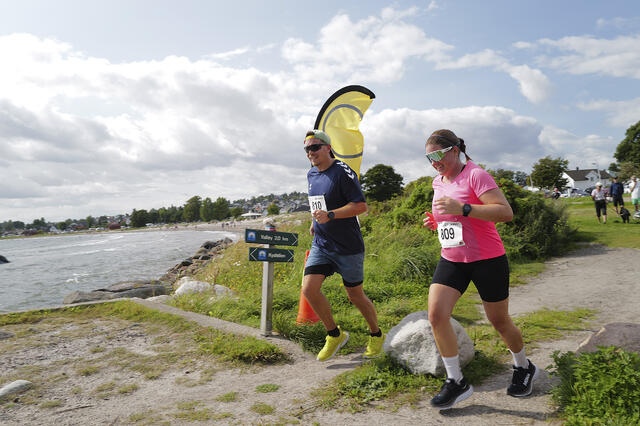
point(325, 165)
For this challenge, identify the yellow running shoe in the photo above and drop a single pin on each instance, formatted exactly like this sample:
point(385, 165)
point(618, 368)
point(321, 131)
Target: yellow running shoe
point(374, 346)
point(333, 345)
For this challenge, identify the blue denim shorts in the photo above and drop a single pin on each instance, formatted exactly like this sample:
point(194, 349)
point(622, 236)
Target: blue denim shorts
point(349, 266)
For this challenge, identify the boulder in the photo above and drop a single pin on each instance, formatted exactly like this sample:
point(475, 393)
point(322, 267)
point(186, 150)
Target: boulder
point(222, 291)
point(15, 387)
point(143, 292)
point(160, 299)
point(3, 259)
point(88, 296)
point(411, 344)
point(187, 285)
point(625, 335)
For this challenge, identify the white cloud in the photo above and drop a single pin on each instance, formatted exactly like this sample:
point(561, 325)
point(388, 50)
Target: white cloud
point(619, 57)
point(533, 84)
point(230, 54)
point(619, 113)
point(618, 23)
point(581, 151)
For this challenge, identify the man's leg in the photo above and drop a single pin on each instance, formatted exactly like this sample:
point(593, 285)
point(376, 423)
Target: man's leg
point(364, 305)
point(311, 288)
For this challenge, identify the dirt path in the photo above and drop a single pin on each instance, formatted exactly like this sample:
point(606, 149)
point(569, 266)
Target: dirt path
point(593, 277)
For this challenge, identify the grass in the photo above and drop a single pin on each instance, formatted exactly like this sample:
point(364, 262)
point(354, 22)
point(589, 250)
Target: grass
point(582, 215)
point(228, 397)
point(262, 408)
point(267, 387)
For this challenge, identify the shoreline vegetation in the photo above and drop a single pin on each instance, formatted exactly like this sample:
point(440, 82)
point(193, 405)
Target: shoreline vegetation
point(400, 259)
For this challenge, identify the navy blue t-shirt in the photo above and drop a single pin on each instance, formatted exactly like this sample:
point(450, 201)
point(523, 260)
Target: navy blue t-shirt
point(339, 185)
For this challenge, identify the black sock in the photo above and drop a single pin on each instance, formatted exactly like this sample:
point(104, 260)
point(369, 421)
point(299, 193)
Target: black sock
point(377, 334)
point(334, 333)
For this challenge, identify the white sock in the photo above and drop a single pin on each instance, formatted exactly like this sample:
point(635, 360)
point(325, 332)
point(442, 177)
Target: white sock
point(520, 359)
point(452, 365)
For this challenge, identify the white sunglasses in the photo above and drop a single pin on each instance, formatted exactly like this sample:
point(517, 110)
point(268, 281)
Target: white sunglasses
point(438, 154)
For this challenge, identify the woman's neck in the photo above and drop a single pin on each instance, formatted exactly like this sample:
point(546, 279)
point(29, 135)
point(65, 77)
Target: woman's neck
point(455, 173)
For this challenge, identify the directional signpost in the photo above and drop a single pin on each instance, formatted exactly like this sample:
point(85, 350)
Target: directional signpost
point(268, 255)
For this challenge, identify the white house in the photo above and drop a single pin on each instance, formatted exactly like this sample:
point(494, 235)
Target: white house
point(585, 178)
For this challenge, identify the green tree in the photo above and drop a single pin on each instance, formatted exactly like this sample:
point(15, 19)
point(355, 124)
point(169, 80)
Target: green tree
point(235, 212)
point(191, 211)
point(220, 208)
point(206, 210)
point(154, 216)
point(103, 221)
point(62, 226)
point(628, 169)
point(381, 183)
point(273, 209)
point(139, 218)
point(38, 224)
point(629, 149)
point(91, 221)
point(547, 173)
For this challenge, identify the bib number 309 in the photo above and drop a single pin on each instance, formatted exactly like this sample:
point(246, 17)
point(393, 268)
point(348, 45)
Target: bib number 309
point(450, 234)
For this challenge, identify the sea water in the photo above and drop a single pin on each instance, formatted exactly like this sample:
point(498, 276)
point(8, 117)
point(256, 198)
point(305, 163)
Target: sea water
point(43, 270)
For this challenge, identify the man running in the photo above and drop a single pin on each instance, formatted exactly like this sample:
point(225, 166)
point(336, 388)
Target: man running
point(335, 199)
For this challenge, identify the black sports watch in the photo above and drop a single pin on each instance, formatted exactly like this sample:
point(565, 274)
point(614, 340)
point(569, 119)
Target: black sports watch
point(466, 209)
point(331, 215)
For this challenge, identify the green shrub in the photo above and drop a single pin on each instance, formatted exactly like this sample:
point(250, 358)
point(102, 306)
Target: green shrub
point(598, 388)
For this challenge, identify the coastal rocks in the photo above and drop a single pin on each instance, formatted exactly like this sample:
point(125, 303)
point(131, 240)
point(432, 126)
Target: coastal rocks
point(141, 289)
point(411, 344)
point(145, 289)
point(3, 259)
point(192, 265)
point(625, 335)
point(17, 386)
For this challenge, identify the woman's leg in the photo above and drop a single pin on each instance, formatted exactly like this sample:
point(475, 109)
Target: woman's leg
point(498, 315)
point(442, 300)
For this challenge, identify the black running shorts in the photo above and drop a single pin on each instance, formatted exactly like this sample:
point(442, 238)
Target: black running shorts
point(490, 276)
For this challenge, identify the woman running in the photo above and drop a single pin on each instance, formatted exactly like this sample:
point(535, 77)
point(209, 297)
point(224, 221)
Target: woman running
point(466, 203)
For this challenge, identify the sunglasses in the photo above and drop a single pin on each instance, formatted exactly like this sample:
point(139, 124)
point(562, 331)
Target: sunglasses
point(313, 148)
point(438, 154)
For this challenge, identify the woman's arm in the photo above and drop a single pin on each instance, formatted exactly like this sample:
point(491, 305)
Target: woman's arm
point(494, 207)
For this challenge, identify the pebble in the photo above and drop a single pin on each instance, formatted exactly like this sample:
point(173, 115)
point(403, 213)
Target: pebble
point(15, 387)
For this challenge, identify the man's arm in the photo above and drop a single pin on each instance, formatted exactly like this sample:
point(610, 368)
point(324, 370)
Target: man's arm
point(351, 209)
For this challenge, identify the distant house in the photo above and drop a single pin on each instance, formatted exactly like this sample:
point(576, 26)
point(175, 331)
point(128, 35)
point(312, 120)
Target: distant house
point(585, 178)
point(250, 215)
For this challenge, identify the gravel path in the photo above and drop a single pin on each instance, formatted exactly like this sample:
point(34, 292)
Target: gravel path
point(594, 277)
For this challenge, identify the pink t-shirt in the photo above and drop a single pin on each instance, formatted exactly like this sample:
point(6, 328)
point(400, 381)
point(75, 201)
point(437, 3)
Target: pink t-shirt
point(480, 236)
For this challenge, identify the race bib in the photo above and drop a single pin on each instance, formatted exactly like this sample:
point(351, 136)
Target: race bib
point(450, 234)
point(317, 202)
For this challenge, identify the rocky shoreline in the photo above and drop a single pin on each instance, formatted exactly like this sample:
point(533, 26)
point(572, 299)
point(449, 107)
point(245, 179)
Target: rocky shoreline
point(156, 287)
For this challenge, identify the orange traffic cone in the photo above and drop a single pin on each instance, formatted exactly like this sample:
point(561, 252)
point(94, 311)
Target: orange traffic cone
point(306, 315)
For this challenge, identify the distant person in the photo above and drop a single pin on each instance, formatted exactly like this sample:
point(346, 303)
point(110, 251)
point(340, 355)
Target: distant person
point(555, 194)
point(616, 191)
point(466, 204)
point(599, 197)
point(336, 200)
point(635, 192)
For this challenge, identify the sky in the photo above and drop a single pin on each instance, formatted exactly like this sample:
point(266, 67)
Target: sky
point(110, 106)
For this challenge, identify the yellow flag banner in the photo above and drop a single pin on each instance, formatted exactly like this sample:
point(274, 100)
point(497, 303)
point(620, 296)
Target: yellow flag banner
point(340, 118)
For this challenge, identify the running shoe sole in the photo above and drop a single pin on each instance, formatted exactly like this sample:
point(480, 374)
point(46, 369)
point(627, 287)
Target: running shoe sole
point(346, 339)
point(460, 398)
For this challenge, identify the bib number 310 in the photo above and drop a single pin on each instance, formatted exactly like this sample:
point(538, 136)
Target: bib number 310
point(450, 234)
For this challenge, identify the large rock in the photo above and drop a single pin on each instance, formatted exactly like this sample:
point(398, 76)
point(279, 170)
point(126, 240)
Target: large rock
point(141, 291)
point(411, 344)
point(3, 259)
point(187, 285)
point(625, 335)
point(15, 387)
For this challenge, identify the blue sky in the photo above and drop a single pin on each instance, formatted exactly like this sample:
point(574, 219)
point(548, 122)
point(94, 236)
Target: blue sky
point(110, 106)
